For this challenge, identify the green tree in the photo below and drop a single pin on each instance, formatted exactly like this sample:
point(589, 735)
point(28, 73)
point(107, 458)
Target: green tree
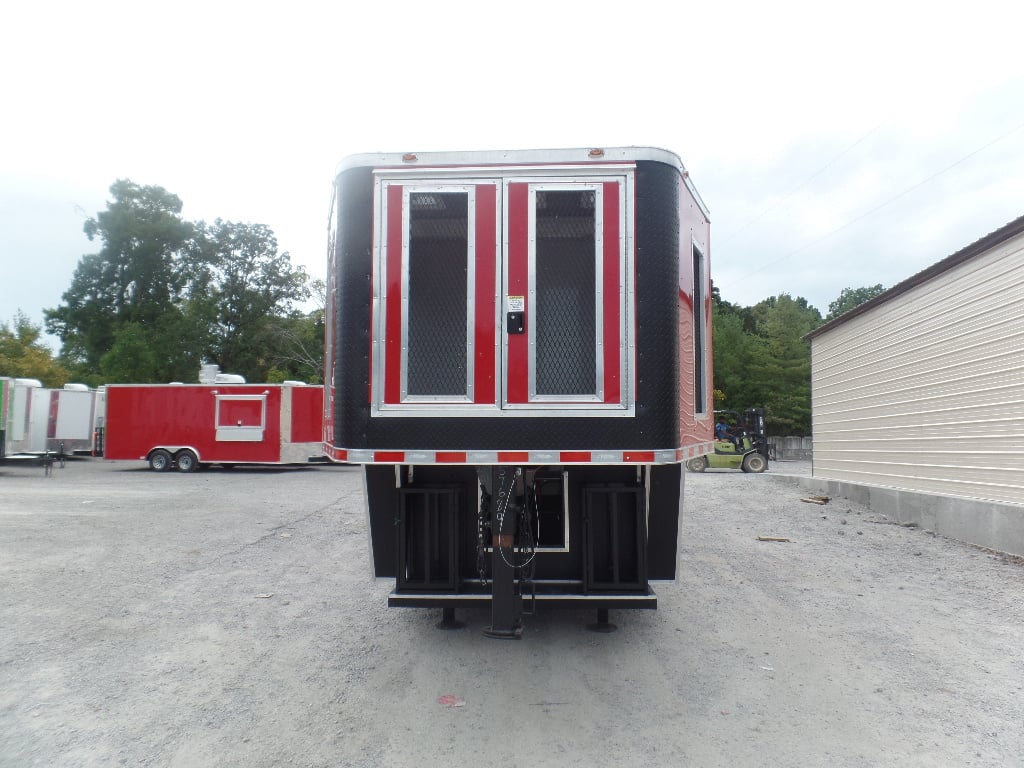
point(299, 348)
point(131, 357)
point(782, 366)
point(248, 290)
point(734, 348)
point(163, 295)
point(850, 298)
point(23, 355)
point(129, 287)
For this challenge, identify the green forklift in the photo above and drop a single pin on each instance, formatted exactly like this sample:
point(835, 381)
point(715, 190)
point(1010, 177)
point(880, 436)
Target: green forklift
point(744, 444)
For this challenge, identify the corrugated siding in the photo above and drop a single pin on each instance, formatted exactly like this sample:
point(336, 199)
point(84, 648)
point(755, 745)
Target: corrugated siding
point(926, 392)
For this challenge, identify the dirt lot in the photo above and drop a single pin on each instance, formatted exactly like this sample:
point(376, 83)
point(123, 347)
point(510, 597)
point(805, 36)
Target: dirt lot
point(228, 619)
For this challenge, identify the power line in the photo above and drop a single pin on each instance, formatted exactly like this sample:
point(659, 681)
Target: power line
point(800, 186)
point(891, 200)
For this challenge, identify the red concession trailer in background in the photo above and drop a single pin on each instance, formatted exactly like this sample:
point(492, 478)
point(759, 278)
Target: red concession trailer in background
point(187, 425)
point(518, 352)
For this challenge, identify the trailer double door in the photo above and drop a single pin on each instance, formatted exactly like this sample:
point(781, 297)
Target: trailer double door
point(503, 295)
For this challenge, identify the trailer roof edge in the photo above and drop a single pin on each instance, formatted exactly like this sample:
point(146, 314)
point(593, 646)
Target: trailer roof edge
point(582, 155)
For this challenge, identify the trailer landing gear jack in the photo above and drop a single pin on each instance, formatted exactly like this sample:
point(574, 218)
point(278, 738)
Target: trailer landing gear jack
point(448, 620)
point(602, 625)
point(506, 605)
point(502, 483)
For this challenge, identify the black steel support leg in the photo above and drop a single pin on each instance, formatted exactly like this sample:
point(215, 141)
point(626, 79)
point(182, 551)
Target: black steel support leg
point(603, 625)
point(448, 619)
point(506, 605)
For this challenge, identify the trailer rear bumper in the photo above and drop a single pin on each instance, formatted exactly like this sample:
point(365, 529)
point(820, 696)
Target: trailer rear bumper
point(555, 596)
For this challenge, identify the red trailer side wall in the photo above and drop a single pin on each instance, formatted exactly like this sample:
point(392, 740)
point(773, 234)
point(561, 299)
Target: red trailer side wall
point(307, 414)
point(696, 419)
point(143, 417)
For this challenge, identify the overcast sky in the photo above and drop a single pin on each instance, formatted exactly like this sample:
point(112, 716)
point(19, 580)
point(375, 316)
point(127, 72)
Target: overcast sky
point(836, 145)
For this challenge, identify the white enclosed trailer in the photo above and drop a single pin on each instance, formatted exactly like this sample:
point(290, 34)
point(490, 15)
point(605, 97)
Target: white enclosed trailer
point(38, 419)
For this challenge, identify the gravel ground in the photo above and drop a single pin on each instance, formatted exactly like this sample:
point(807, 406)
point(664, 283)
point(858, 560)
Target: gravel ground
point(229, 619)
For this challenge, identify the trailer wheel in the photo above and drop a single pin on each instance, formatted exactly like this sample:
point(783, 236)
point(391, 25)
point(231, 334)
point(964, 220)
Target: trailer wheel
point(697, 465)
point(186, 460)
point(754, 462)
point(159, 460)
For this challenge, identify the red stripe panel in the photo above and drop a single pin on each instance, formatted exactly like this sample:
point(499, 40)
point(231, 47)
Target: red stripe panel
point(394, 456)
point(450, 457)
point(612, 294)
point(393, 301)
point(640, 457)
point(518, 285)
point(486, 261)
point(513, 457)
point(569, 457)
point(51, 423)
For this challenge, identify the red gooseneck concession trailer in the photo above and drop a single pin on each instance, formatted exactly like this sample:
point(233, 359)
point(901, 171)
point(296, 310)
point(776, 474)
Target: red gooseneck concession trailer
point(518, 352)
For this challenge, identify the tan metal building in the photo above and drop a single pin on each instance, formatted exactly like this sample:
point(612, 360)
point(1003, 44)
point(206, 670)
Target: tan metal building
point(918, 396)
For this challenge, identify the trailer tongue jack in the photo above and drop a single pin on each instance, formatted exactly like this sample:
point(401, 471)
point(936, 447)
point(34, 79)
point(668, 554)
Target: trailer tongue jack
point(503, 485)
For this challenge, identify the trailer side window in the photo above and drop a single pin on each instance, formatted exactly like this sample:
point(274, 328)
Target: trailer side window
point(699, 333)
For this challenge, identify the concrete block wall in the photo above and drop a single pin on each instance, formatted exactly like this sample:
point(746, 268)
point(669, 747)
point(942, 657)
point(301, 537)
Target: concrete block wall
point(791, 448)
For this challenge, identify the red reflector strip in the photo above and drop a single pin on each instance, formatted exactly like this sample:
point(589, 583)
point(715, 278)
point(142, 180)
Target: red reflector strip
point(574, 457)
point(640, 457)
point(537, 458)
point(336, 454)
point(513, 457)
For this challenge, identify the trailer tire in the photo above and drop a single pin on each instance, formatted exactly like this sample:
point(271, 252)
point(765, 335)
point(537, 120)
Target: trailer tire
point(186, 461)
point(697, 465)
point(754, 462)
point(160, 460)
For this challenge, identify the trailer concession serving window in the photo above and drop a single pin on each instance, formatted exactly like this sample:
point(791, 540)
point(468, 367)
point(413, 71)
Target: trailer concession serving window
point(502, 295)
point(241, 418)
